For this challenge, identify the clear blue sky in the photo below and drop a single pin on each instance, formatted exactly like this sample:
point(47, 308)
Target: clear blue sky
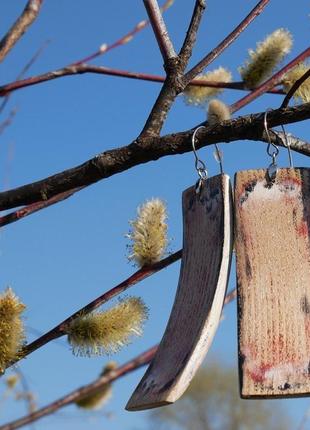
point(63, 257)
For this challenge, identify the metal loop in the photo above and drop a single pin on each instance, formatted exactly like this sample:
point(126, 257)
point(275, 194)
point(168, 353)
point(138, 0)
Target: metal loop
point(275, 152)
point(287, 144)
point(199, 164)
point(219, 157)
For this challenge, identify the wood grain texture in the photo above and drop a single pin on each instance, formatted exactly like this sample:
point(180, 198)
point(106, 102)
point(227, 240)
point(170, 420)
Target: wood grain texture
point(273, 273)
point(207, 248)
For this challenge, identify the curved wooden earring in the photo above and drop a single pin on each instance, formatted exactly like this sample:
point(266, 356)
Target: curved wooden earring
point(207, 249)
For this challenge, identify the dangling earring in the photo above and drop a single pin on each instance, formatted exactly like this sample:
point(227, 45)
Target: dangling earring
point(206, 257)
point(272, 208)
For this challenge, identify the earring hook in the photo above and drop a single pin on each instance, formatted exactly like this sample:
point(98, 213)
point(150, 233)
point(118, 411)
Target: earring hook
point(287, 144)
point(199, 164)
point(219, 157)
point(273, 168)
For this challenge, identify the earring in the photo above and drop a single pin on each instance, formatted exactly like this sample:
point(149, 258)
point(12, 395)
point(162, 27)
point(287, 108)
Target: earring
point(272, 218)
point(206, 258)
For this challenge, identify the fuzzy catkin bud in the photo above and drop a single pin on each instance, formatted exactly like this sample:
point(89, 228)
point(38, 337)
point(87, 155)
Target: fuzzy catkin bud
point(268, 54)
point(199, 95)
point(149, 233)
point(11, 328)
point(98, 398)
point(217, 112)
point(11, 381)
point(106, 332)
point(303, 92)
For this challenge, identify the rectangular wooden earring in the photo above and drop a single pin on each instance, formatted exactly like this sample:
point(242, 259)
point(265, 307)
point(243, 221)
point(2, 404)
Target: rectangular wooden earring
point(273, 273)
point(206, 257)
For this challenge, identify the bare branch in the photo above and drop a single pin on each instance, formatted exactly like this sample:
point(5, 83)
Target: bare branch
point(87, 68)
point(29, 14)
point(140, 360)
point(140, 151)
point(135, 363)
point(122, 40)
point(226, 42)
point(295, 143)
point(24, 70)
point(160, 30)
point(4, 124)
point(191, 34)
point(176, 82)
point(278, 138)
point(35, 207)
point(61, 328)
point(270, 83)
point(294, 88)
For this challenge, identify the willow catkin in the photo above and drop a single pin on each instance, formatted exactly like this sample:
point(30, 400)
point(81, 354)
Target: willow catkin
point(106, 332)
point(267, 56)
point(303, 92)
point(100, 396)
point(149, 233)
point(199, 95)
point(218, 111)
point(12, 334)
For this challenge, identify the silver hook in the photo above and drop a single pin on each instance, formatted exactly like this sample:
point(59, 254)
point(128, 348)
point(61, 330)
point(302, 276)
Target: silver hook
point(219, 157)
point(199, 164)
point(287, 144)
point(273, 168)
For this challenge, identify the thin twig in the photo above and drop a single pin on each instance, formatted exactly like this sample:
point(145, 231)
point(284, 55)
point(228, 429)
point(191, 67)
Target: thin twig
point(294, 88)
point(122, 40)
point(28, 395)
point(135, 363)
point(27, 17)
point(191, 34)
point(148, 149)
point(139, 361)
point(34, 207)
point(87, 68)
point(226, 42)
point(176, 81)
point(24, 71)
point(4, 124)
point(60, 329)
point(270, 83)
point(160, 30)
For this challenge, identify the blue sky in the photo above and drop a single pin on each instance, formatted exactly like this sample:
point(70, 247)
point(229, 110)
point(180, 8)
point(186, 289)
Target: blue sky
point(63, 257)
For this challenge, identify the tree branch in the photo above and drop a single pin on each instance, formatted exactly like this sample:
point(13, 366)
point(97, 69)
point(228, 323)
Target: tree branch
point(270, 83)
point(173, 85)
point(140, 360)
point(160, 30)
point(130, 366)
point(23, 72)
point(190, 38)
point(61, 328)
point(29, 14)
point(294, 88)
point(226, 42)
point(140, 151)
point(122, 40)
point(35, 207)
point(4, 124)
point(87, 68)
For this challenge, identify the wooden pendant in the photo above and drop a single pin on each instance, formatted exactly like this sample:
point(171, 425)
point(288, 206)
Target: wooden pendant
point(206, 257)
point(273, 273)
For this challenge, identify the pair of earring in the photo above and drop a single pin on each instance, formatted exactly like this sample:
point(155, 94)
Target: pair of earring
point(271, 219)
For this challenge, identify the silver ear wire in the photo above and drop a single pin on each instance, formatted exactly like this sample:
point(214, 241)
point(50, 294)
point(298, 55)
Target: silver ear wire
point(199, 164)
point(219, 157)
point(287, 144)
point(272, 168)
